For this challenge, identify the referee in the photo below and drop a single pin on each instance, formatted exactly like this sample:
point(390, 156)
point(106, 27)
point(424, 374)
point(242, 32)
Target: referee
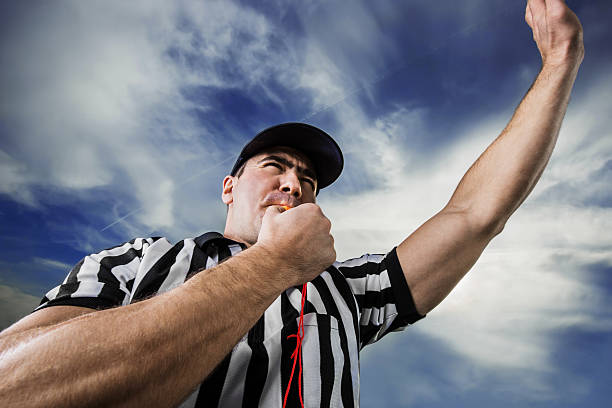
point(263, 314)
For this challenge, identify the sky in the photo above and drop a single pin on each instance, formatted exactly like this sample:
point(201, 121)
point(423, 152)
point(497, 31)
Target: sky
point(120, 120)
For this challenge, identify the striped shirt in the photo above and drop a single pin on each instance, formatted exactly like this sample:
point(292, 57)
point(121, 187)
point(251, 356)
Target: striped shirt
point(350, 305)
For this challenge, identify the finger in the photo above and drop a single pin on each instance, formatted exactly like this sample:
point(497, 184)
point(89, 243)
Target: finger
point(538, 11)
point(553, 5)
point(556, 8)
point(274, 210)
point(528, 15)
point(538, 19)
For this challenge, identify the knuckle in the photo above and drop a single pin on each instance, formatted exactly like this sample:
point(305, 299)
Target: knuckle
point(559, 12)
point(315, 207)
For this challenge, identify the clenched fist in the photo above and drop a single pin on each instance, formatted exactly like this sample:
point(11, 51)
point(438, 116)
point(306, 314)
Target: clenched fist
point(299, 239)
point(556, 31)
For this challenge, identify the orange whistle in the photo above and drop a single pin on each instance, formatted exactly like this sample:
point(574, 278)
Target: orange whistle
point(286, 207)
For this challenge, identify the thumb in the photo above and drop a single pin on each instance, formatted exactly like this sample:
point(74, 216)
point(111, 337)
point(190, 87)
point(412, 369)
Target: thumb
point(274, 210)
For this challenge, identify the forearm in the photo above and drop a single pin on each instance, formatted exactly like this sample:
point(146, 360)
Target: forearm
point(152, 353)
point(504, 175)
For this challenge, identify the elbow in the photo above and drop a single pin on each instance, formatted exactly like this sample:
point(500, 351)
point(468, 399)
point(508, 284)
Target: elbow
point(493, 228)
point(482, 222)
point(489, 225)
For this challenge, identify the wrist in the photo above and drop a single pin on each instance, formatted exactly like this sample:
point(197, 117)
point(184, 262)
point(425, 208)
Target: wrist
point(560, 72)
point(567, 64)
point(268, 267)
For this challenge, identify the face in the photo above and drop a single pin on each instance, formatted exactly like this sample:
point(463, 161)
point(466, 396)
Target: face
point(278, 176)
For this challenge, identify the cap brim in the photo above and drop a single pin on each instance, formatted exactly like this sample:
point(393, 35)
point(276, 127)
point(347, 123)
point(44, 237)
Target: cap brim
point(318, 146)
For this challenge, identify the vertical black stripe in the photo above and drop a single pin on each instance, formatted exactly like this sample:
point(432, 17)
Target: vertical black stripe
point(403, 299)
point(368, 334)
point(346, 383)
point(210, 390)
point(72, 283)
point(212, 387)
point(129, 284)
point(349, 297)
point(326, 362)
point(157, 274)
point(308, 306)
point(198, 261)
point(257, 370)
point(111, 290)
point(290, 326)
point(224, 251)
point(347, 294)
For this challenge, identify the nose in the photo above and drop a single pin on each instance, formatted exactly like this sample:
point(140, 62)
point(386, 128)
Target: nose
point(290, 184)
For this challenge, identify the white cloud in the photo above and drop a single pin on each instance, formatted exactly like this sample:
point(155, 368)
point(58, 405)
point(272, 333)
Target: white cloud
point(108, 111)
point(504, 315)
point(13, 177)
point(105, 110)
point(347, 49)
point(88, 123)
point(321, 75)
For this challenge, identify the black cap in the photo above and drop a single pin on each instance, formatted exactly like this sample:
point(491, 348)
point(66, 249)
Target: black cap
point(317, 145)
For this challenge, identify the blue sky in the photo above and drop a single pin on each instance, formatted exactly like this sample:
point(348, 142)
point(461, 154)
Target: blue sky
point(120, 119)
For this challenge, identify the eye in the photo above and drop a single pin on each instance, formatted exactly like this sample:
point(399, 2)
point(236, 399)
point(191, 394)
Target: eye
point(274, 164)
point(309, 181)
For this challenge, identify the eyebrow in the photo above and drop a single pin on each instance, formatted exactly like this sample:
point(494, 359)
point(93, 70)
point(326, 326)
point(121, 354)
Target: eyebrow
point(300, 169)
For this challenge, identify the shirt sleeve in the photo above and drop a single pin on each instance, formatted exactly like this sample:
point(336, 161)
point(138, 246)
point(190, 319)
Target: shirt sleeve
point(382, 294)
point(102, 280)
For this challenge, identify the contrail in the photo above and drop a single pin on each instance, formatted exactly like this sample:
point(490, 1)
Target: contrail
point(345, 95)
point(182, 183)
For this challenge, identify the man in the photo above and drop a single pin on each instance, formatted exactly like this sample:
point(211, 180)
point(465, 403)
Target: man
point(222, 311)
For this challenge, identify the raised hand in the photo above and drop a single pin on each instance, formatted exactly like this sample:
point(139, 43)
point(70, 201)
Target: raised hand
point(556, 31)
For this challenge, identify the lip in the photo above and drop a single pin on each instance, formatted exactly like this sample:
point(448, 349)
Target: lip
point(284, 205)
point(281, 199)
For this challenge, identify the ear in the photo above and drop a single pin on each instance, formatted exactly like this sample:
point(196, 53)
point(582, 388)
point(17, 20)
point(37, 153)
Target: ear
point(227, 194)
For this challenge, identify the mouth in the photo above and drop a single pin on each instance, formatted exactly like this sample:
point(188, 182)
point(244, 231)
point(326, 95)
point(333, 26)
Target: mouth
point(281, 199)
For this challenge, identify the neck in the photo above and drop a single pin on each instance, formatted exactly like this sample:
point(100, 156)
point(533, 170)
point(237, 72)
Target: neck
point(235, 236)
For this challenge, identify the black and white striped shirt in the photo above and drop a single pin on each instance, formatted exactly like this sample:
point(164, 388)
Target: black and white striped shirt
point(350, 305)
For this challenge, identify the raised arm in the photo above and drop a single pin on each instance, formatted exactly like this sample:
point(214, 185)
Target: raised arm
point(438, 254)
point(155, 352)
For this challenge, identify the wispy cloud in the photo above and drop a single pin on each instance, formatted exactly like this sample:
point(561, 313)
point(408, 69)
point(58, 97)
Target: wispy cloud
point(115, 112)
point(53, 263)
point(131, 113)
point(14, 304)
point(14, 179)
point(531, 281)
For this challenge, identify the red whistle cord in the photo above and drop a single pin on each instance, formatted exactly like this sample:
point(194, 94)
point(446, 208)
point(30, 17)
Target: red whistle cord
point(297, 353)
